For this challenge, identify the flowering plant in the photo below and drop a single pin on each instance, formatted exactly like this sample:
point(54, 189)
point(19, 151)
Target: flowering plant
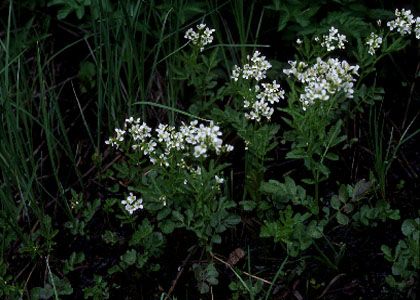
point(180, 182)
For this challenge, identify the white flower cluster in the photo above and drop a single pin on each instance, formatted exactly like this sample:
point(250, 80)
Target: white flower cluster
point(403, 21)
point(268, 95)
point(333, 40)
point(324, 79)
point(219, 180)
point(131, 204)
point(117, 139)
point(256, 68)
point(417, 28)
point(200, 38)
point(263, 96)
point(193, 140)
point(374, 42)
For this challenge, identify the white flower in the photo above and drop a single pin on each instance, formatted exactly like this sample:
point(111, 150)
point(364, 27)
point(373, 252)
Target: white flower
point(299, 41)
point(228, 148)
point(139, 131)
point(131, 203)
point(117, 140)
point(261, 106)
point(236, 72)
point(219, 180)
point(259, 109)
point(162, 144)
point(403, 21)
point(296, 68)
point(163, 199)
point(256, 68)
point(197, 170)
point(200, 150)
point(333, 40)
point(271, 92)
point(148, 147)
point(204, 138)
point(202, 37)
point(417, 28)
point(374, 42)
point(120, 134)
point(324, 79)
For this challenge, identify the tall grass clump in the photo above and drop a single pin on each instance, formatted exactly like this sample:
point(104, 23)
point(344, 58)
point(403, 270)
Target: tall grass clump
point(33, 144)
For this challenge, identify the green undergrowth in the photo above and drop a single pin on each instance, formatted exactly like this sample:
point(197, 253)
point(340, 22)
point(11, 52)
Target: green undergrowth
point(146, 156)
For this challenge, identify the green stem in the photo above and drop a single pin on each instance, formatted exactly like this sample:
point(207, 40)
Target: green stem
point(317, 190)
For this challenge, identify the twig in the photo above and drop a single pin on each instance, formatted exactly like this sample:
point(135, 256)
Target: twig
point(330, 284)
point(246, 273)
point(51, 277)
point(180, 270)
point(29, 277)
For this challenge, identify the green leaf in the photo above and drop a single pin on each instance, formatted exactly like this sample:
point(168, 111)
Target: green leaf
point(271, 187)
point(80, 11)
point(216, 239)
point(232, 220)
point(348, 208)
point(314, 230)
point(56, 2)
point(114, 269)
point(391, 281)
point(408, 227)
point(308, 181)
point(63, 13)
point(342, 218)
point(324, 169)
point(129, 257)
point(284, 18)
point(296, 154)
point(335, 202)
point(360, 189)
point(163, 214)
point(74, 259)
point(342, 194)
point(110, 237)
point(387, 252)
point(178, 216)
point(63, 286)
point(143, 231)
point(394, 214)
point(41, 293)
point(167, 226)
point(331, 156)
point(203, 287)
point(248, 205)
